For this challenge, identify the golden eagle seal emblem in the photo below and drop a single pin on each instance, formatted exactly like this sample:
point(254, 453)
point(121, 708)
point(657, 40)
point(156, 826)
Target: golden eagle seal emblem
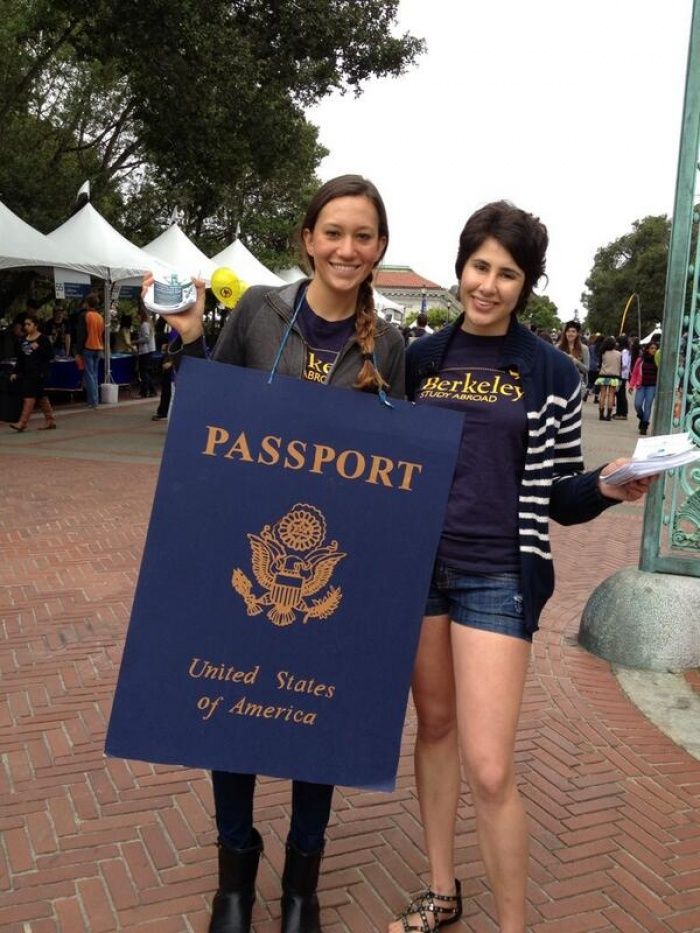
point(291, 563)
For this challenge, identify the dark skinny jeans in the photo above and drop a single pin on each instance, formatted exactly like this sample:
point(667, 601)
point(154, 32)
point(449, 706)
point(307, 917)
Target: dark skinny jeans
point(233, 802)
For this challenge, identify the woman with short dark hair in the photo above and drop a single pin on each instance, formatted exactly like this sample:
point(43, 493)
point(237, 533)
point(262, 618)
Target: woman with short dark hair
point(519, 465)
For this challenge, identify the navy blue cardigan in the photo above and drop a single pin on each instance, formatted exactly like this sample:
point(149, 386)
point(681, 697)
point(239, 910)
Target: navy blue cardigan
point(554, 484)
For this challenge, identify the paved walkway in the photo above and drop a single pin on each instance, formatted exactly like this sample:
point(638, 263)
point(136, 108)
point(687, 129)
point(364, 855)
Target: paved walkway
point(91, 844)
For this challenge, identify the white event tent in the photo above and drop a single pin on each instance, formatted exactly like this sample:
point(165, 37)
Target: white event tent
point(174, 247)
point(654, 333)
point(391, 310)
point(110, 256)
point(249, 269)
point(21, 245)
point(88, 235)
point(293, 274)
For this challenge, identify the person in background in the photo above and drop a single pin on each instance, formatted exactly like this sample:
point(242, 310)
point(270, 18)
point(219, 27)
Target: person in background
point(75, 323)
point(33, 362)
point(146, 347)
point(623, 345)
point(520, 465)
point(90, 347)
point(643, 379)
point(570, 343)
point(165, 335)
point(635, 353)
point(17, 330)
point(7, 345)
point(608, 380)
point(593, 364)
point(420, 328)
point(330, 334)
point(56, 329)
point(122, 340)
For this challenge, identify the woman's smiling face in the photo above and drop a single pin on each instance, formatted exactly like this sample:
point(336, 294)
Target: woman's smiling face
point(490, 287)
point(345, 244)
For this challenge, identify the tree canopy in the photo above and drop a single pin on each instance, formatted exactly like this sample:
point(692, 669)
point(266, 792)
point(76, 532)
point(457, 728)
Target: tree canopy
point(633, 264)
point(541, 312)
point(177, 103)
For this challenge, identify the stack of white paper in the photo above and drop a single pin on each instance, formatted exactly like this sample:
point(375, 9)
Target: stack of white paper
point(654, 455)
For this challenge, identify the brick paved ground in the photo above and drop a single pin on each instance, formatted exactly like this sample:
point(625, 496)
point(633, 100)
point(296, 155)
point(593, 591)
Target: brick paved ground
point(97, 845)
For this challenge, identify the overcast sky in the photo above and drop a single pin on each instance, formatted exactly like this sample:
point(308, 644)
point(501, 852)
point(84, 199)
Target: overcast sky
point(572, 110)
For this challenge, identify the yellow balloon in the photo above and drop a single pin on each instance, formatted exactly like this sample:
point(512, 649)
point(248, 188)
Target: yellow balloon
point(227, 287)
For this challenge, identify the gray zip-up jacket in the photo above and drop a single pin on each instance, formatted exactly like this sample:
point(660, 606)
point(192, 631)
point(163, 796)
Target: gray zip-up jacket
point(255, 329)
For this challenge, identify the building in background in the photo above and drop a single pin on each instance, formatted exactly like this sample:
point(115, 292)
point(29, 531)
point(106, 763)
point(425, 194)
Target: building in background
point(414, 292)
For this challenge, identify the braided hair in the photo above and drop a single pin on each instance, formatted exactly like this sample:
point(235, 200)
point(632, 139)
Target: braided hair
point(369, 376)
point(344, 186)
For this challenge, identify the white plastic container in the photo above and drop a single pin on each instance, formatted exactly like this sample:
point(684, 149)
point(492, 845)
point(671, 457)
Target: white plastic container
point(109, 393)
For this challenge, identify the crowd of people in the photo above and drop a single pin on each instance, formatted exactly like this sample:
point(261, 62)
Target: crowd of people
point(613, 367)
point(80, 336)
point(610, 367)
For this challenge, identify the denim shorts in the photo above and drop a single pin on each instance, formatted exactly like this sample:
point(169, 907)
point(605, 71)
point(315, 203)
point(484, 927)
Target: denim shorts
point(488, 601)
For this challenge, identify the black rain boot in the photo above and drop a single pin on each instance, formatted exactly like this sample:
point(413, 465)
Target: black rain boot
point(601, 415)
point(233, 902)
point(643, 425)
point(300, 908)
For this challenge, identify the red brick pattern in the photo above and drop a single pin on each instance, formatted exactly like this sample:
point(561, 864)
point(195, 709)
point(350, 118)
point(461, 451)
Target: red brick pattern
point(95, 844)
point(693, 680)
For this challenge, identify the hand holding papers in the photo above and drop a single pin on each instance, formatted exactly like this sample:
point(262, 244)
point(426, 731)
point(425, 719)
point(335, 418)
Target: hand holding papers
point(655, 455)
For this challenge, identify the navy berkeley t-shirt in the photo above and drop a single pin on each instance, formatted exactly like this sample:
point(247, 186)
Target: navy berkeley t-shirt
point(324, 340)
point(481, 524)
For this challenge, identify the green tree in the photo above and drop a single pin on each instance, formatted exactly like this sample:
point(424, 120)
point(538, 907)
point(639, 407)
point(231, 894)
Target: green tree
point(180, 103)
point(541, 312)
point(633, 264)
point(437, 317)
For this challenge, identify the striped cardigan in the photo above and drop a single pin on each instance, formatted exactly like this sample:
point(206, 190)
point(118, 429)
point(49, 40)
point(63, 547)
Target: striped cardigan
point(554, 484)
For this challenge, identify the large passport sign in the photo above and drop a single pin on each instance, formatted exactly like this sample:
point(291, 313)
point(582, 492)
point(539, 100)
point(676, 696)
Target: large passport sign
point(286, 567)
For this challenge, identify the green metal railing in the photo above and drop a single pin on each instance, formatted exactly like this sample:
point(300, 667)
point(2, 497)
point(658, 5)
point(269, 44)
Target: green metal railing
point(671, 534)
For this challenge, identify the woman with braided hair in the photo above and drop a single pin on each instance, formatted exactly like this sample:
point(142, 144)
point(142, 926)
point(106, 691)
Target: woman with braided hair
point(323, 329)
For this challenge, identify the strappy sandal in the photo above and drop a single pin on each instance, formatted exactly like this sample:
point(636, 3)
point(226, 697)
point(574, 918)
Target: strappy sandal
point(444, 909)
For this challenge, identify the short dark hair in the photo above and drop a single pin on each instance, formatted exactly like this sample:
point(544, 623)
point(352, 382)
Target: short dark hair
point(342, 187)
point(92, 301)
point(30, 316)
point(522, 234)
point(608, 344)
point(422, 319)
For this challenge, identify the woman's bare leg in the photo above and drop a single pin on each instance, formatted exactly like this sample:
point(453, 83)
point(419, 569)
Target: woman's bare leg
point(438, 776)
point(490, 671)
